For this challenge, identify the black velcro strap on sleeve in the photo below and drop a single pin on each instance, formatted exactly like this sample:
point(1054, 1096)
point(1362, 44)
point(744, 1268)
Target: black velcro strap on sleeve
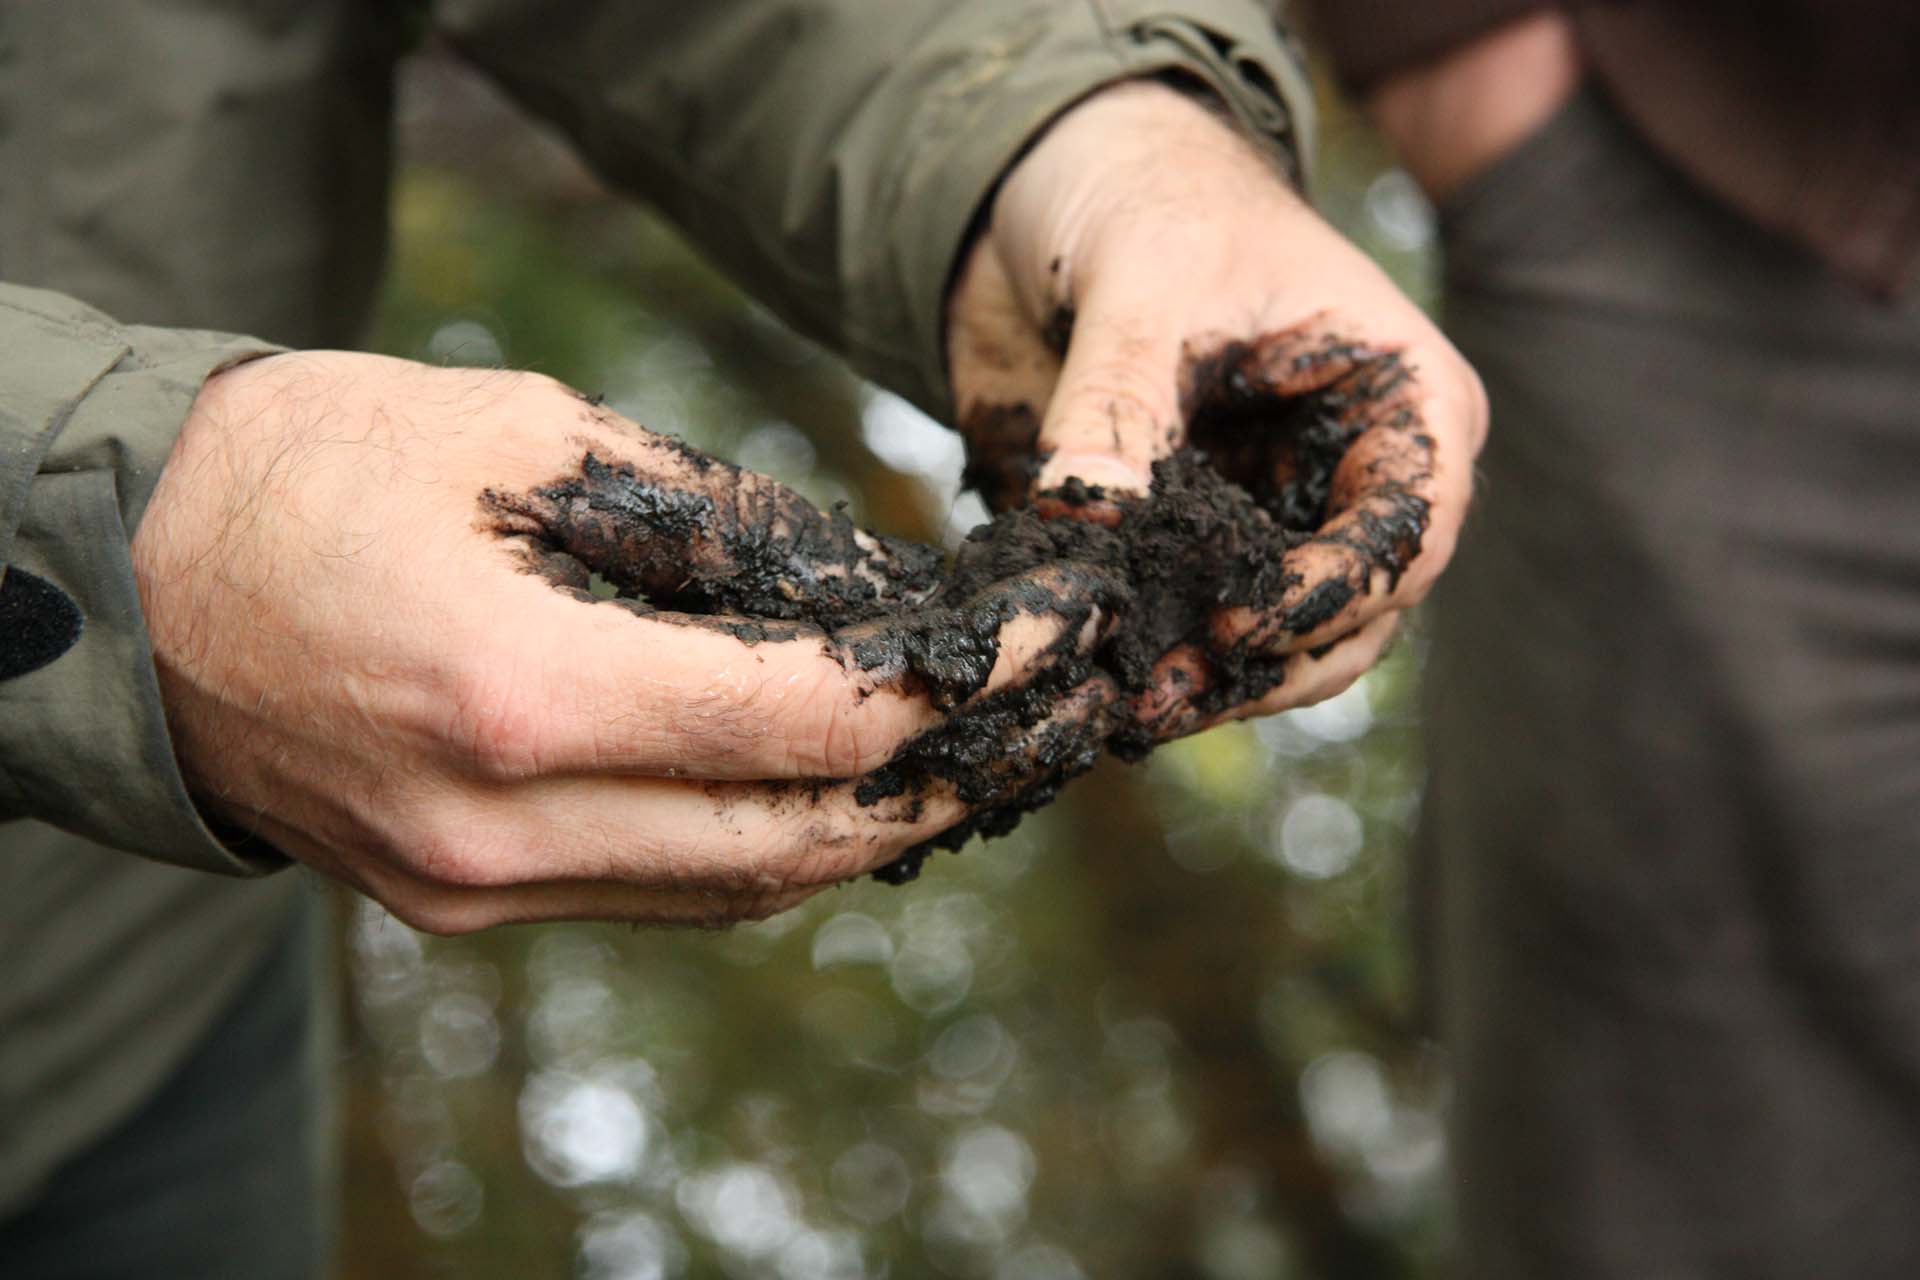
point(38, 622)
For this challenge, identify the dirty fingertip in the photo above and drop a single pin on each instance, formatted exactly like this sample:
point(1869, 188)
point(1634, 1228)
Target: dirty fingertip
point(1113, 476)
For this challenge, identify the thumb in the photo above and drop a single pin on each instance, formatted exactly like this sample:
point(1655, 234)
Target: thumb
point(1115, 410)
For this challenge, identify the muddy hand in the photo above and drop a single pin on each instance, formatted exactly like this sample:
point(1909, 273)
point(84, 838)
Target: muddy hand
point(688, 539)
point(362, 579)
point(663, 523)
point(1147, 280)
point(999, 763)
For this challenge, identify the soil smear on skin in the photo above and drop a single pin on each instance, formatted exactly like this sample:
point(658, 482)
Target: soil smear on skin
point(695, 540)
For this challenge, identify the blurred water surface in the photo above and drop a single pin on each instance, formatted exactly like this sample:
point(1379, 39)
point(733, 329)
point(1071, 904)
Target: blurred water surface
point(1165, 1029)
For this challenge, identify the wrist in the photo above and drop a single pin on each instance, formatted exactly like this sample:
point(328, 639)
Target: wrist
point(1116, 159)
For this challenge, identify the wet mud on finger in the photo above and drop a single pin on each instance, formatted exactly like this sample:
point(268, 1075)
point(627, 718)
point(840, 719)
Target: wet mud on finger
point(1299, 438)
point(696, 535)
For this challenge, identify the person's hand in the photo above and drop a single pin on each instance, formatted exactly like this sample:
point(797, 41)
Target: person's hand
point(1147, 280)
point(366, 582)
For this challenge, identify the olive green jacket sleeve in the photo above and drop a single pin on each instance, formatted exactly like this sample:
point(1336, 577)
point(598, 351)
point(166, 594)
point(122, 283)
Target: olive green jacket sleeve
point(832, 154)
point(89, 410)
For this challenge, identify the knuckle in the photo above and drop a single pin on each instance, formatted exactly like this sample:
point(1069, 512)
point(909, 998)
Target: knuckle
point(457, 851)
point(498, 730)
point(827, 734)
point(850, 746)
point(710, 731)
point(1113, 396)
point(530, 382)
point(755, 721)
point(439, 912)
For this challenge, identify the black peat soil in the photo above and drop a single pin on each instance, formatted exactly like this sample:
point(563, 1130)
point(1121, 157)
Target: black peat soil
point(696, 541)
point(1156, 576)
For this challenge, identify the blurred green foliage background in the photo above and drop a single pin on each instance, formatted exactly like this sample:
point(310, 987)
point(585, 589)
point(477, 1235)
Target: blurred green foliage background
point(1165, 1029)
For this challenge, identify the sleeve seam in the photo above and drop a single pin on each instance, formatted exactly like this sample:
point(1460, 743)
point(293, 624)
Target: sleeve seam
point(13, 499)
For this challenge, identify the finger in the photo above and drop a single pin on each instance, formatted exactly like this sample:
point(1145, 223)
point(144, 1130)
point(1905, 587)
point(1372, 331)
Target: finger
point(436, 907)
point(664, 851)
point(1116, 407)
point(949, 650)
point(595, 686)
point(1004, 367)
point(1186, 695)
point(737, 839)
point(1393, 501)
point(686, 531)
point(1277, 413)
point(1002, 785)
point(1316, 676)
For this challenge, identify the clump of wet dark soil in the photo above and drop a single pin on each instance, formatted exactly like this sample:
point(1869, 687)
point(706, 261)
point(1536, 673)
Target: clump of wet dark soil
point(700, 541)
point(1156, 575)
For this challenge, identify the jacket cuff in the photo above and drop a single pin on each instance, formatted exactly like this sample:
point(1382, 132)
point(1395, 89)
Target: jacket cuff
point(986, 88)
point(91, 412)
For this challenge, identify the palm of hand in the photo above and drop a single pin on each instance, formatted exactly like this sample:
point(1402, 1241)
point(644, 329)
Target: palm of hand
point(1146, 283)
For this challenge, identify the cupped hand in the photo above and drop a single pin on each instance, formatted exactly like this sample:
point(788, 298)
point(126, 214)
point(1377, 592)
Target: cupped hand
point(1147, 280)
point(369, 588)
